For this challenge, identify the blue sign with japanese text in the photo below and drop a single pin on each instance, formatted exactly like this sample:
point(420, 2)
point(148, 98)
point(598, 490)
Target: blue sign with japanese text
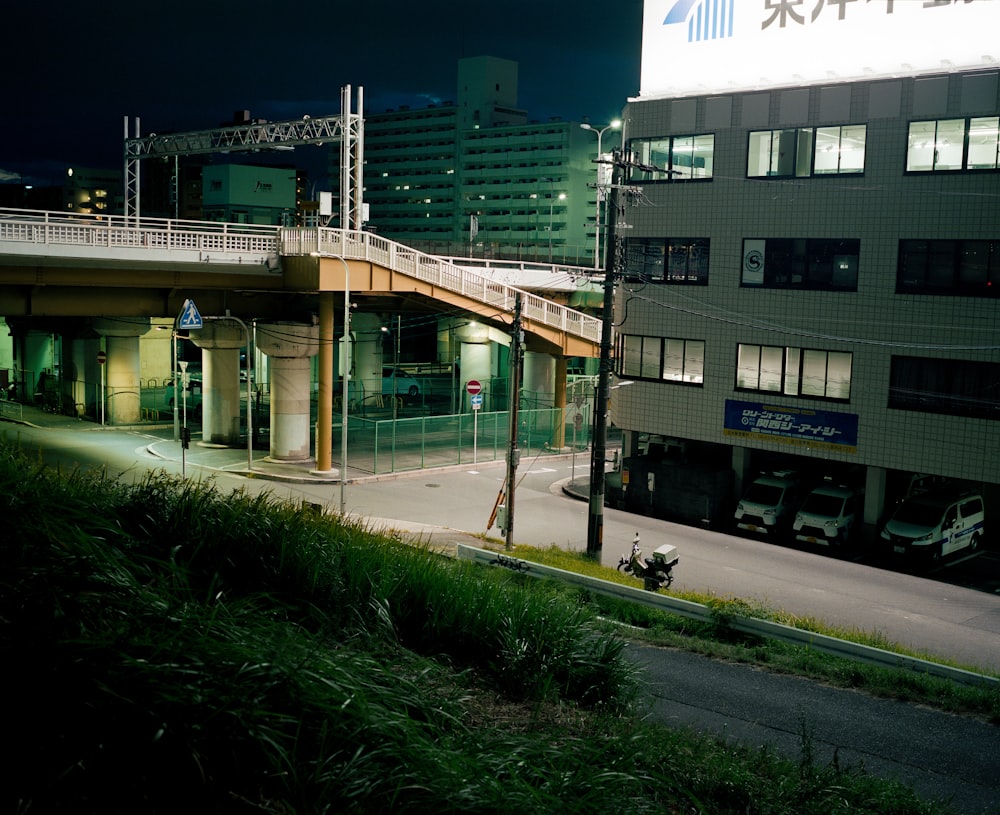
point(804, 427)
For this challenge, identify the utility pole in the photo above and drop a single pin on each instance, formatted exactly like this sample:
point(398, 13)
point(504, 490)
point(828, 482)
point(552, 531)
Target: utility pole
point(595, 518)
point(513, 453)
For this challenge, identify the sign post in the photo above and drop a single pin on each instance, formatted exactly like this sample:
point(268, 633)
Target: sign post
point(474, 388)
point(102, 357)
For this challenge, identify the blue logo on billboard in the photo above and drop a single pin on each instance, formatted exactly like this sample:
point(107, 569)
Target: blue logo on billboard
point(706, 19)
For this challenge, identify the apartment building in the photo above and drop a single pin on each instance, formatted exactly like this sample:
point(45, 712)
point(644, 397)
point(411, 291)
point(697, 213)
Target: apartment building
point(477, 177)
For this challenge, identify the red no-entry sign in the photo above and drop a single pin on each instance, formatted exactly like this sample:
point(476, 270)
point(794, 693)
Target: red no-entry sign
point(102, 357)
point(473, 386)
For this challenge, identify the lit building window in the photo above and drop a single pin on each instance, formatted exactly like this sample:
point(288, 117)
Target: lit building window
point(673, 158)
point(807, 151)
point(794, 371)
point(953, 144)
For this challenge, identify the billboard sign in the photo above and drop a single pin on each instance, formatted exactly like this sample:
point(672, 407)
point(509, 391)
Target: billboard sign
point(698, 47)
point(801, 427)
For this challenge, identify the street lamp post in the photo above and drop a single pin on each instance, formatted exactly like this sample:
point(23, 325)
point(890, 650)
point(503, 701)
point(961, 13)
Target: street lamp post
point(344, 379)
point(615, 124)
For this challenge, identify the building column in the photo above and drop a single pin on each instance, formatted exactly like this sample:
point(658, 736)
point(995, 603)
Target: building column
point(875, 478)
point(220, 342)
point(741, 468)
point(288, 347)
point(122, 395)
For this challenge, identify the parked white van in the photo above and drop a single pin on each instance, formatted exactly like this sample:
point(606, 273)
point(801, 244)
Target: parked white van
point(768, 504)
point(931, 525)
point(827, 515)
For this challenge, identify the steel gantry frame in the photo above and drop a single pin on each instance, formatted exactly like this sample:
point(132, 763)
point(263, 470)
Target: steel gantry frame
point(347, 129)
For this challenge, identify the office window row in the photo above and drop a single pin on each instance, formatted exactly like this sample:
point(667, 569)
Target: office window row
point(673, 158)
point(943, 145)
point(794, 371)
point(964, 267)
point(970, 268)
point(801, 263)
point(807, 151)
point(661, 358)
point(787, 371)
point(937, 145)
point(667, 260)
point(942, 386)
point(954, 387)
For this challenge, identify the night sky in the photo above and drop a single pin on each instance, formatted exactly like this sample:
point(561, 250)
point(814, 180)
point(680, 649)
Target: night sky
point(75, 70)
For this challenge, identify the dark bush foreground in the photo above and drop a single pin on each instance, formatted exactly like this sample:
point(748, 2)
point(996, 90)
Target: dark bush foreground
point(173, 650)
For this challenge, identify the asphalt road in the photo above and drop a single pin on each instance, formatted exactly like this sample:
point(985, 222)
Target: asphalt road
point(941, 756)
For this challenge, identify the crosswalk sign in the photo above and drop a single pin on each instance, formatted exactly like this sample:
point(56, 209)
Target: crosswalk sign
point(190, 316)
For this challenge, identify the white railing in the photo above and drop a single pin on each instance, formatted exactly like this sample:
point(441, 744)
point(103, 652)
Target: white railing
point(354, 245)
point(116, 232)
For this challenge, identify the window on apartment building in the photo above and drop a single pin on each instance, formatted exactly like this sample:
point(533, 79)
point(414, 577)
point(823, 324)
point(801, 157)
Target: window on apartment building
point(801, 263)
point(673, 158)
point(956, 387)
point(667, 260)
point(807, 151)
point(794, 371)
point(965, 267)
point(942, 145)
point(662, 359)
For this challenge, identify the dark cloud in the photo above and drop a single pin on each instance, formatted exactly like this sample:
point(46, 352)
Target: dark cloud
point(82, 68)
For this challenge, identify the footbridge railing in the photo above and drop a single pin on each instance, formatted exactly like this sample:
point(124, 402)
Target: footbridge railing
point(355, 245)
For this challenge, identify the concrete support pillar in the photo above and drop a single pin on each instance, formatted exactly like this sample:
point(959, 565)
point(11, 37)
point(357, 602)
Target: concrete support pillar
point(367, 378)
point(122, 395)
point(559, 434)
point(475, 362)
point(288, 347)
point(220, 342)
point(324, 409)
point(539, 379)
point(82, 372)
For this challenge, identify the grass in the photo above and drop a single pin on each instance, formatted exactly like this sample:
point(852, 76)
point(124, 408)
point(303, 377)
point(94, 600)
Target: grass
point(172, 649)
point(719, 641)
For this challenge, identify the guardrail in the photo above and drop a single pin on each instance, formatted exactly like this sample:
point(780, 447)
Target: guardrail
point(118, 232)
point(360, 245)
point(746, 625)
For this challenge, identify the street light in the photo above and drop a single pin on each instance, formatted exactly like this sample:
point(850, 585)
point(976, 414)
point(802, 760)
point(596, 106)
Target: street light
point(561, 197)
point(615, 124)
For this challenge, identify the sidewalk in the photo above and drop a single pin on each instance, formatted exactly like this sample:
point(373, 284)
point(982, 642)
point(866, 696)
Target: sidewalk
point(236, 461)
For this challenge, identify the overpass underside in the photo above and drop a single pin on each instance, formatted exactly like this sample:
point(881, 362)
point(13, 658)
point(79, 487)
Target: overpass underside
point(60, 288)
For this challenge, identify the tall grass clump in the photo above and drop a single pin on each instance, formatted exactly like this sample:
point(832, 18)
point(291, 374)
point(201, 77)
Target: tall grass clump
point(171, 649)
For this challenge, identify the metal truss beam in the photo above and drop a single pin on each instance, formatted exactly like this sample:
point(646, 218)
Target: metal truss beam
point(240, 137)
point(347, 129)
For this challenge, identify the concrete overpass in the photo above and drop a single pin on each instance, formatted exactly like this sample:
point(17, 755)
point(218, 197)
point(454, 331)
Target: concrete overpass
point(59, 272)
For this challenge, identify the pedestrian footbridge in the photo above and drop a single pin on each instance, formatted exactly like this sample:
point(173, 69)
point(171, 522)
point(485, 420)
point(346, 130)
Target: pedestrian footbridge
point(58, 265)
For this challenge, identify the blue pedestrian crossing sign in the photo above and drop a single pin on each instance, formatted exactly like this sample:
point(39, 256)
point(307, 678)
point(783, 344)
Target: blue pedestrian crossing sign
point(190, 316)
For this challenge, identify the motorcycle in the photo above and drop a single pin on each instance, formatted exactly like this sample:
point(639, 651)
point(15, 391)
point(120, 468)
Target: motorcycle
point(655, 572)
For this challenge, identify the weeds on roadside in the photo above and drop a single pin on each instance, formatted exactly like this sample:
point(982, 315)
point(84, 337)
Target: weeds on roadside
point(170, 647)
